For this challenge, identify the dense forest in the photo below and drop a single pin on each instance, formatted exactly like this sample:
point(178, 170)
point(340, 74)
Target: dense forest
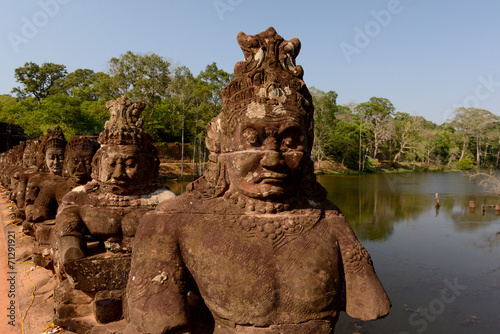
point(180, 105)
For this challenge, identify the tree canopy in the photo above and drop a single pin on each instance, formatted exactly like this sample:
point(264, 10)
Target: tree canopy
point(180, 105)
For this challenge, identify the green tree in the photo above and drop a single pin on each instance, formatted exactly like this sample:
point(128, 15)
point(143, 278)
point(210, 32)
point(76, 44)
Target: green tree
point(39, 81)
point(325, 108)
point(182, 89)
point(474, 125)
point(216, 79)
point(344, 143)
point(7, 104)
point(377, 112)
point(446, 148)
point(87, 85)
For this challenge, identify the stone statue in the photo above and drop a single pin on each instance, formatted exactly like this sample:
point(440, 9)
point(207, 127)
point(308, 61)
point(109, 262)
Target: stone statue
point(96, 222)
point(254, 241)
point(54, 150)
point(13, 162)
point(76, 171)
point(78, 158)
point(18, 175)
point(124, 185)
point(54, 146)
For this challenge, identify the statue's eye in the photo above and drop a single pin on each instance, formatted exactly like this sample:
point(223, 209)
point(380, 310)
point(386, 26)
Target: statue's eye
point(286, 144)
point(292, 139)
point(252, 136)
point(130, 162)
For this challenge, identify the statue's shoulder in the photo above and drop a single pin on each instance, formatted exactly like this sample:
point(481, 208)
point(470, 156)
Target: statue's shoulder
point(184, 203)
point(78, 195)
point(338, 223)
point(159, 195)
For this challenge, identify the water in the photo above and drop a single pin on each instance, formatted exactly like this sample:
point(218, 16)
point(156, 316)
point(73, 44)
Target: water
point(441, 269)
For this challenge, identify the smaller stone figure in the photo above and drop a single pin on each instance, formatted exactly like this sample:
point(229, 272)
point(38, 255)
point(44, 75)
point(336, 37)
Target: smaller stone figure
point(96, 222)
point(13, 163)
point(54, 150)
point(54, 147)
point(124, 186)
point(78, 158)
point(77, 171)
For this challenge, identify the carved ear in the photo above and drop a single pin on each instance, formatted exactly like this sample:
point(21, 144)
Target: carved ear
point(213, 135)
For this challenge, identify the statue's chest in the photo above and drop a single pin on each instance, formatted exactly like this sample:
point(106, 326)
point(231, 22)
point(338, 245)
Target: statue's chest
point(260, 260)
point(111, 220)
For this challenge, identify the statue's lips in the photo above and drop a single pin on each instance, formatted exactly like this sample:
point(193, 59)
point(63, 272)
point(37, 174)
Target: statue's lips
point(271, 178)
point(118, 182)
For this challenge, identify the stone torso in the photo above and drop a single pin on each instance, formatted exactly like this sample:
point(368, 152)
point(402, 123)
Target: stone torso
point(106, 215)
point(250, 268)
point(284, 269)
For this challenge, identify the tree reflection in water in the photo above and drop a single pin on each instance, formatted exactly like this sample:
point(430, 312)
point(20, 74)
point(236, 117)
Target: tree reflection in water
point(416, 249)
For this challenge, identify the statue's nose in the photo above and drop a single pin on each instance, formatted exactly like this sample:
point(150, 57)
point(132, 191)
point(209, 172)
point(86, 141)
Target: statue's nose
point(119, 172)
point(272, 156)
point(272, 159)
point(270, 143)
point(80, 167)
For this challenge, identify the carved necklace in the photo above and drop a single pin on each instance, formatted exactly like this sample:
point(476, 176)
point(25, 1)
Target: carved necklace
point(258, 206)
point(275, 223)
point(105, 198)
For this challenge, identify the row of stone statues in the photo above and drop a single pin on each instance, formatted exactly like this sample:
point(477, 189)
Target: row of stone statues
point(253, 246)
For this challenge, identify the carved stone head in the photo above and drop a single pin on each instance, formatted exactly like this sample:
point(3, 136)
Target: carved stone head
point(127, 161)
point(261, 142)
point(78, 158)
point(29, 157)
point(54, 150)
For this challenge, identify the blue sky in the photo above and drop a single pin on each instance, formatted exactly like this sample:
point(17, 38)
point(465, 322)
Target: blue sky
point(425, 56)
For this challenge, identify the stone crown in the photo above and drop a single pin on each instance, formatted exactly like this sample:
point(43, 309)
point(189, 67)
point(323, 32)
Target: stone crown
point(124, 126)
point(268, 80)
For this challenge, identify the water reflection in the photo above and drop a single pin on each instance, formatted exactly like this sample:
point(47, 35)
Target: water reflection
point(417, 249)
point(177, 187)
point(374, 203)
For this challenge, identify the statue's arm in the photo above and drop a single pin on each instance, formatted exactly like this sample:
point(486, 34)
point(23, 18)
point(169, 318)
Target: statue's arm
point(68, 217)
point(43, 204)
point(70, 230)
point(365, 297)
point(156, 287)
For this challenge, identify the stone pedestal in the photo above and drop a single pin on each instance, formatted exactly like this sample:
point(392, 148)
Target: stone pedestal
point(93, 294)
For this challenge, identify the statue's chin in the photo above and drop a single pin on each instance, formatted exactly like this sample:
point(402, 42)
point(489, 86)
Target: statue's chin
point(276, 194)
point(129, 189)
point(81, 179)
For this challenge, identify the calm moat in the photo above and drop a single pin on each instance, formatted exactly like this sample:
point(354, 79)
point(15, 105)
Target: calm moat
point(441, 269)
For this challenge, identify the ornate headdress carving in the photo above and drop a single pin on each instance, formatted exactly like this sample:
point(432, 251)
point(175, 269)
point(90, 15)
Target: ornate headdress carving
point(55, 138)
point(83, 144)
point(124, 126)
point(267, 84)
